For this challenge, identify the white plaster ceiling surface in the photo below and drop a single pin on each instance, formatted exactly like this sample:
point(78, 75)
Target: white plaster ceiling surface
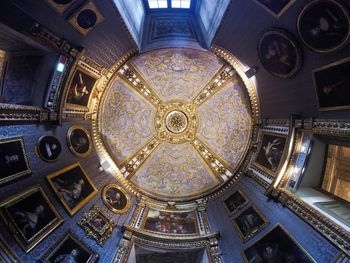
point(176, 122)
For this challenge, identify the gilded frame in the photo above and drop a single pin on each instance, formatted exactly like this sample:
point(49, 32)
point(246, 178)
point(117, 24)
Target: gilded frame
point(170, 211)
point(266, 169)
point(71, 146)
point(53, 249)
point(256, 230)
point(72, 211)
point(280, 13)
point(29, 244)
point(240, 206)
point(324, 67)
point(37, 150)
point(25, 172)
point(109, 206)
point(6, 254)
point(290, 238)
point(99, 235)
point(345, 13)
point(59, 8)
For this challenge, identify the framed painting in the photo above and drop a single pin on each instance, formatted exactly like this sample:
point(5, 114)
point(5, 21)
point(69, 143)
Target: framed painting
point(30, 216)
point(270, 152)
point(276, 7)
point(80, 88)
point(48, 148)
point(116, 198)
point(324, 26)
point(86, 18)
point(13, 159)
point(79, 141)
point(70, 248)
point(235, 201)
point(332, 85)
point(276, 246)
point(280, 53)
point(60, 6)
point(170, 222)
point(6, 254)
point(73, 187)
point(97, 225)
point(249, 223)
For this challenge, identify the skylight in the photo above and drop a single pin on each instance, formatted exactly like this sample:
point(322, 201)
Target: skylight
point(180, 3)
point(158, 4)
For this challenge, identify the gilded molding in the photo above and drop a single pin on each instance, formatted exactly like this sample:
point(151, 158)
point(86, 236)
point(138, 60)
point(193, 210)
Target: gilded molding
point(331, 127)
point(13, 113)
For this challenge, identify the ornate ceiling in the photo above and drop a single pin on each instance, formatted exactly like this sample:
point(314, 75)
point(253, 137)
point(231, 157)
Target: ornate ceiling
point(176, 122)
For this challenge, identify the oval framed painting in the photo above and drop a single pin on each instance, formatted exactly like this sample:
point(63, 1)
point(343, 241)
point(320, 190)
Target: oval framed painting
point(79, 141)
point(48, 148)
point(116, 198)
point(324, 26)
point(280, 53)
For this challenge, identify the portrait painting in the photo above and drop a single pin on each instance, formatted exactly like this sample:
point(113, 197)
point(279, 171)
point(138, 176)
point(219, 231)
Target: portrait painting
point(80, 88)
point(70, 248)
point(235, 201)
point(13, 159)
point(97, 224)
point(332, 85)
point(270, 153)
point(86, 18)
point(73, 187)
point(280, 53)
point(6, 254)
point(276, 246)
point(30, 216)
point(324, 26)
point(276, 7)
point(79, 141)
point(116, 199)
point(250, 222)
point(48, 148)
point(60, 5)
point(171, 222)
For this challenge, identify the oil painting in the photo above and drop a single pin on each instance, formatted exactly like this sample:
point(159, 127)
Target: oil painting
point(116, 199)
point(235, 201)
point(79, 141)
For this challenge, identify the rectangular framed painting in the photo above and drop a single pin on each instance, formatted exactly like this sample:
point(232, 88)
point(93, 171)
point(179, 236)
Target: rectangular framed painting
point(250, 222)
point(332, 83)
point(270, 152)
point(169, 222)
point(70, 248)
point(235, 201)
point(276, 7)
point(80, 88)
point(30, 216)
point(13, 159)
point(73, 187)
point(276, 246)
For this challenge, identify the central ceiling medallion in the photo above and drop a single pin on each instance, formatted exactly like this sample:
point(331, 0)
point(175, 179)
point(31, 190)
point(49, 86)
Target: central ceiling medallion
point(176, 121)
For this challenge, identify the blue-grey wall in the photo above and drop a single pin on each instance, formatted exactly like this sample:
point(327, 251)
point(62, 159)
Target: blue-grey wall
point(230, 244)
point(41, 169)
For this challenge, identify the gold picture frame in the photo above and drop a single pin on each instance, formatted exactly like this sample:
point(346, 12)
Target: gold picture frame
point(119, 203)
point(13, 159)
point(275, 14)
point(239, 206)
point(86, 18)
point(73, 187)
point(97, 225)
point(33, 202)
point(59, 8)
point(306, 258)
point(63, 247)
point(6, 254)
point(252, 223)
point(79, 141)
point(262, 162)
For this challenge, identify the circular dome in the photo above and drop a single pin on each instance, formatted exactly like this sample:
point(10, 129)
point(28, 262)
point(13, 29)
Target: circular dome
point(176, 123)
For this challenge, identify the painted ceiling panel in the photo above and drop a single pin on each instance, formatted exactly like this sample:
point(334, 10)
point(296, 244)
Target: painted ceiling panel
point(175, 170)
point(224, 123)
point(127, 122)
point(177, 73)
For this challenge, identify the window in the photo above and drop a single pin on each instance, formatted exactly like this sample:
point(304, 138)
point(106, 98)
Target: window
point(180, 3)
point(158, 4)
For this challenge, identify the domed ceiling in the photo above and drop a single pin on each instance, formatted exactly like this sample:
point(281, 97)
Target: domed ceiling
point(176, 122)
